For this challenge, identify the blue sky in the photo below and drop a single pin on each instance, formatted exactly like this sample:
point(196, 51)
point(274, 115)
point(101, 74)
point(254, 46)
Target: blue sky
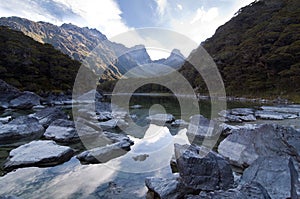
point(196, 19)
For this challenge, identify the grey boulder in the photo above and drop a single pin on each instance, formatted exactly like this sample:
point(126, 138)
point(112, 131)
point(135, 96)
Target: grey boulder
point(23, 128)
point(26, 100)
point(62, 130)
point(243, 146)
point(48, 115)
point(273, 173)
point(38, 153)
point(202, 169)
point(246, 191)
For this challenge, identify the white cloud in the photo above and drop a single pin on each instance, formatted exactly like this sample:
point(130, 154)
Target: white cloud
point(205, 16)
point(161, 6)
point(179, 6)
point(103, 15)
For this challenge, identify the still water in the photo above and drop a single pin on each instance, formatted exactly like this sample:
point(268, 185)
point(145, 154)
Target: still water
point(122, 177)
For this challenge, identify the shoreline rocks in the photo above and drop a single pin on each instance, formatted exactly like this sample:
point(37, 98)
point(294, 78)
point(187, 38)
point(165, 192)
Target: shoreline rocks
point(243, 146)
point(62, 130)
point(23, 128)
point(38, 153)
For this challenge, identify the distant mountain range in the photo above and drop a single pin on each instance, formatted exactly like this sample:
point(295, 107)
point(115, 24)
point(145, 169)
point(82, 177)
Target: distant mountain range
point(78, 43)
point(257, 51)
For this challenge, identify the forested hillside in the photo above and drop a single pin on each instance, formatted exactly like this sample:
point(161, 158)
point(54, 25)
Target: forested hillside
point(30, 65)
point(257, 51)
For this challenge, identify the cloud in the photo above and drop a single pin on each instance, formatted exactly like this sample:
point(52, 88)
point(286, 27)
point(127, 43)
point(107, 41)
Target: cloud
point(103, 15)
point(205, 16)
point(161, 6)
point(179, 6)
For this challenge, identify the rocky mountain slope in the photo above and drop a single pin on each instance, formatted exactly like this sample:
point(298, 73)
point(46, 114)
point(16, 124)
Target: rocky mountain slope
point(30, 65)
point(114, 58)
point(257, 51)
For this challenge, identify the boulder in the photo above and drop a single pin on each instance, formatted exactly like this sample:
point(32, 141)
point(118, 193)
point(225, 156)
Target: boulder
point(295, 183)
point(227, 128)
point(9, 197)
point(167, 188)
point(48, 115)
point(246, 191)
point(273, 173)
point(203, 131)
point(26, 100)
point(243, 146)
point(201, 169)
point(62, 130)
point(22, 128)
point(179, 122)
point(7, 93)
point(38, 153)
point(104, 153)
point(161, 119)
point(238, 115)
point(268, 115)
point(113, 123)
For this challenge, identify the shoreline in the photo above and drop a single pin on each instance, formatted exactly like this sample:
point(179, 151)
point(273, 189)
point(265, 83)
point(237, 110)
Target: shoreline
point(277, 100)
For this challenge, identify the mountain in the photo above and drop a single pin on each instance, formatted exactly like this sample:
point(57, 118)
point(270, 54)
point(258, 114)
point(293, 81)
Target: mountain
point(175, 60)
point(30, 65)
point(114, 58)
point(257, 51)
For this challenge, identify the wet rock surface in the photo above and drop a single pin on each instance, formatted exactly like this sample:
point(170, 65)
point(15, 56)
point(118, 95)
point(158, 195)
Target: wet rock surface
point(38, 153)
point(23, 128)
point(62, 130)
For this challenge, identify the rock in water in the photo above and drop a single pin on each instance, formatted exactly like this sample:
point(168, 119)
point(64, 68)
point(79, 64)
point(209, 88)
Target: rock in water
point(105, 153)
point(246, 191)
point(48, 115)
point(273, 173)
point(203, 131)
point(38, 153)
point(22, 128)
point(161, 119)
point(26, 100)
point(62, 131)
point(201, 169)
point(243, 146)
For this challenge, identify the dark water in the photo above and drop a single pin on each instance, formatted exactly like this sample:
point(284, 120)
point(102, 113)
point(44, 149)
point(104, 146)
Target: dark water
point(122, 177)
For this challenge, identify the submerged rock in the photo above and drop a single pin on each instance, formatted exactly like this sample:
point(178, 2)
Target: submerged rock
point(201, 169)
point(62, 131)
point(38, 153)
point(22, 128)
point(244, 146)
point(26, 100)
point(273, 173)
point(48, 115)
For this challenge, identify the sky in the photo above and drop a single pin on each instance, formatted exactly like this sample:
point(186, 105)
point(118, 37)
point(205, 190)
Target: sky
point(196, 19)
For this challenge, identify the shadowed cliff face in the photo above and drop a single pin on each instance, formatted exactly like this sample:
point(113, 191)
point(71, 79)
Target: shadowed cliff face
point(257, 51)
